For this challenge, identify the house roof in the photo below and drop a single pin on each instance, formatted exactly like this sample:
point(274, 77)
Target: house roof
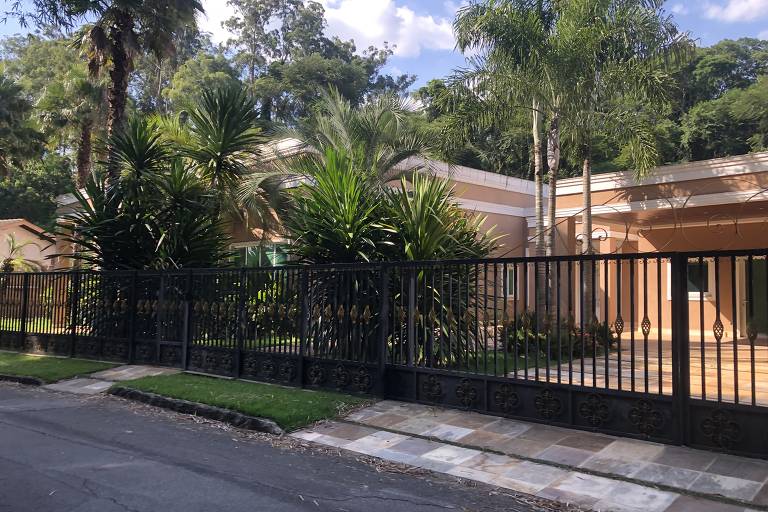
point(30, 227)
point(702, 169)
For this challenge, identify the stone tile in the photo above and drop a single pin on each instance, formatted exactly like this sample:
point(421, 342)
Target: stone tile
point(492, 463)
point(523, 447)
point(537, 475)
point(416, 425)
point(450, 454)
point(517, 485)
point(485, 439)
point(363, 415)
point(507, 427)
point(471, 420)
point(447, 432)
point(414, 446)
point(544, 434)
point(592, 488)
point(433, 465)
point(473, 474)
point(306, 435)
point(385, 420)
point(628, 449)
point(762, 496)
point(81, 386)
point(555, 494)
point(374, 442)
point(726, 486)
point(565, 455)
point(336, 442)
point(687, 458)
point(130, 372)
point(610, 465)
point(739, 467)
point(680, 478)
point(344, 430)
point(691, 504)
point(627, 497)
point(591, 442)
point(395, 456)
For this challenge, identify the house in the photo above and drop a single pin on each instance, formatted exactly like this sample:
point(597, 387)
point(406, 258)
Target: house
point(39, 245)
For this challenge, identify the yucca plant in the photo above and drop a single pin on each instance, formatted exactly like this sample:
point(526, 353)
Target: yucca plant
point(14, 259)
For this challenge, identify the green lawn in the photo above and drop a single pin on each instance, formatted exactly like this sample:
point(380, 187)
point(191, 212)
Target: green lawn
point(291, 408)
point(49, 369)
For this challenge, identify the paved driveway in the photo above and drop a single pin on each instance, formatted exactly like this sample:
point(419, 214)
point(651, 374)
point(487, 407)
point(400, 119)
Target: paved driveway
point(63, 452)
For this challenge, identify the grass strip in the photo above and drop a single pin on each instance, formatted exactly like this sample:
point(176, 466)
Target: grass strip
point(46, 368)
point(291, 408)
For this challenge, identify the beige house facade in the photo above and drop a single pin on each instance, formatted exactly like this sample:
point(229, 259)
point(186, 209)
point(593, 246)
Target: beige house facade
point(39, 245)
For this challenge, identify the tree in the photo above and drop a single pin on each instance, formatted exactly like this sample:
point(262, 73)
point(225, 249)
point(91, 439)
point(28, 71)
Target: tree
point(122, 30)
point(202, 72)
point(280, 48)
point(18, 138)
point(376, 134)
point(66, 105)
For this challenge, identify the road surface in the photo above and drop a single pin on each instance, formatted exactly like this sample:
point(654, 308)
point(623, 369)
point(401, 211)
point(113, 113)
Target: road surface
point(62, 452)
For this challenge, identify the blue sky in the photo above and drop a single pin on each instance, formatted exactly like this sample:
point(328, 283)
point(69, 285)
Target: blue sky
point(421, 29)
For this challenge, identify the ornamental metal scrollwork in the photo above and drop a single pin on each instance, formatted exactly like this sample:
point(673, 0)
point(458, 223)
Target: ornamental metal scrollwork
point(316, 375)
point(287, 371)
point(506, 398)
point(645, 325)
point(267, 368)
point(595, 410)
point(721, 429)
point(618, 325)
point(251, 365)
point(718, 330)
point(646, 418)
point(466, 393)
point(433, 389)
point(361, 380)
point(547, 404)
point(340, 377)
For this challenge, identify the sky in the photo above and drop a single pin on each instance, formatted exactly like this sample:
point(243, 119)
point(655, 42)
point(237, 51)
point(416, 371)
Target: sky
point(423, 38)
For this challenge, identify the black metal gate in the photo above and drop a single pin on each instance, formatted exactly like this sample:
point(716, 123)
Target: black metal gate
point(669, 347)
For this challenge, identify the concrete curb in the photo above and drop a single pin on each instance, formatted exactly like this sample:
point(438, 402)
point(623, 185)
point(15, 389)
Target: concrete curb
point(21, 379)
point(233, 418)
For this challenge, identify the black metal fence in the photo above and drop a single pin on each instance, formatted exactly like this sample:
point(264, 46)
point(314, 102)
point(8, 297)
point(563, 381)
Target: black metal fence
point(670, 347)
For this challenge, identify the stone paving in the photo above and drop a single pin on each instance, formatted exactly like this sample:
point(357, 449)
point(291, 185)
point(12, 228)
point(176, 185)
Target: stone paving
point(101, 381)
point(594, 471)
point(130, 372)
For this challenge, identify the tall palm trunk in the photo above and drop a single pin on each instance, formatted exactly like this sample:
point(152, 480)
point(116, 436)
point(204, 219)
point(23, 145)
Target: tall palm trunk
point(84, 149)
point(117, 95)
point(587, 313)
point(553, 164)
point(540, 299)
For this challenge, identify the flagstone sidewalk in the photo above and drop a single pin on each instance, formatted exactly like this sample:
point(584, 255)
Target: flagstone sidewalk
point(594, 471)
point(101, 381)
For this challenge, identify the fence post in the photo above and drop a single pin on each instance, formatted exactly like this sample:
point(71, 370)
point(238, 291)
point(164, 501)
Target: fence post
point(304, 317)
point(186, 333)
point(73, 311)
point(411, 316)
point(24, 308)
point(132, 300)
point(240, 315)
point(680, 343)
point(383, 333)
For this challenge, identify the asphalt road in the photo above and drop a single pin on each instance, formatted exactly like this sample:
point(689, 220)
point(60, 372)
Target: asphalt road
point(102, 454)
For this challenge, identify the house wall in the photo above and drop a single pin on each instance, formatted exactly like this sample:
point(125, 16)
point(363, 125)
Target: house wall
point(39, 250)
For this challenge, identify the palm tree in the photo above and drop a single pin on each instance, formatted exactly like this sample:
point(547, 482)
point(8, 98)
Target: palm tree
point(14, 260)
point(376, 134)
point(623, 51)
point(122, 30)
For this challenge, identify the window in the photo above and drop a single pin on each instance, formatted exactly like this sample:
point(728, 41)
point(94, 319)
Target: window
point(261, 255)
point(700, 281)
point(698, 277)
point(511, 284)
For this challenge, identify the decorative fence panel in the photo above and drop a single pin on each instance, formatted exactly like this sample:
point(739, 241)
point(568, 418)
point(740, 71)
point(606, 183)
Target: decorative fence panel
point(669, 347)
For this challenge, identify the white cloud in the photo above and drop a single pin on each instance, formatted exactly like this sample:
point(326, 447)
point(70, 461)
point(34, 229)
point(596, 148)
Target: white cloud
point(763, 35)
point(736, 10)
point(216, 11)
point(371, 22)
point(680, 9)
point(368, 22)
